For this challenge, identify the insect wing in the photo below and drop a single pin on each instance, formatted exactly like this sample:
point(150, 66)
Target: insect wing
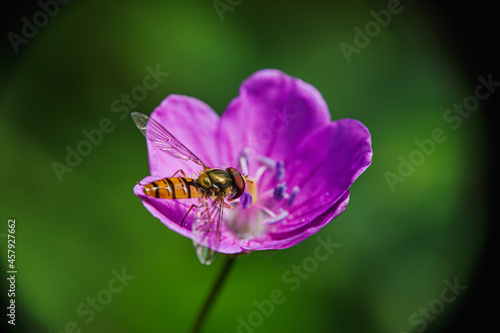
point(163, 139)
point(206, 230)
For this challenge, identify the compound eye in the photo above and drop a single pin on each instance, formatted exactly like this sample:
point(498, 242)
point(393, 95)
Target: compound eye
point(239, 182)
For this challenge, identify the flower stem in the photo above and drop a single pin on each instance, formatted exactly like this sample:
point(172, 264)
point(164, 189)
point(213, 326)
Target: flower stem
point(217, 287)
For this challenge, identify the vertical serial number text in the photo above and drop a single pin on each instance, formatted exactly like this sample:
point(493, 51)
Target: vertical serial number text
point(12, 271)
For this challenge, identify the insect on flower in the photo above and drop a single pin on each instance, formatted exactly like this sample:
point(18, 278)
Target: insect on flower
point(213, 187)
point(296, 166)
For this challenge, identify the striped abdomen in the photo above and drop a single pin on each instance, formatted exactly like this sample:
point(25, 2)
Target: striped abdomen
point(173, 188)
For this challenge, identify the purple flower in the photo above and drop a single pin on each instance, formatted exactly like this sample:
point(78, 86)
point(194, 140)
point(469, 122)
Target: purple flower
point(278, 132)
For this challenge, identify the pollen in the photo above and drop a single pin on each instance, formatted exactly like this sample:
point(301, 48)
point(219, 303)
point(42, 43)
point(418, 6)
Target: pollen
point(279, 191)
point(252, 189)
point(246, 200)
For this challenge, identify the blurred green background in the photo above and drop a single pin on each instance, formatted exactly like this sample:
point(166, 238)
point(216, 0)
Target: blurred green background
point(397, 244)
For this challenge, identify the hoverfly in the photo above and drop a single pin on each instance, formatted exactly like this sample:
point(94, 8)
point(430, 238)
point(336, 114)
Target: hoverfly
point(213, 187)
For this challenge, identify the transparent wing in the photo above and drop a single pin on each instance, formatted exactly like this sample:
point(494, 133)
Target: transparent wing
point(163, 139)
point(206, 230)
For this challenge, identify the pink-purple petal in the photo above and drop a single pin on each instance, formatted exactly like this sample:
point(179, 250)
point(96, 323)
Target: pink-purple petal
point(194, 124)
point(169, 212)
point(289, 235)
point(326, 164)
point(273, 113)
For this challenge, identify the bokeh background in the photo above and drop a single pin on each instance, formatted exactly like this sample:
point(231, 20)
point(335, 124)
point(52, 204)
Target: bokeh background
point(397, 245)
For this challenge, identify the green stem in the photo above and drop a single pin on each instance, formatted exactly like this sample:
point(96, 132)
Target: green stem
point(224, 273)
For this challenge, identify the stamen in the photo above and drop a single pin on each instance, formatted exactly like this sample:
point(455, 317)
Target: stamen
point(269, 162)
point(243, 161)
point(267, 195)
point(273, 218)
point(246, 200)
point(260, 172)
point(279, 191)
point(291, 198)
point(266, 210)
point(280, 171)
point(277, 218)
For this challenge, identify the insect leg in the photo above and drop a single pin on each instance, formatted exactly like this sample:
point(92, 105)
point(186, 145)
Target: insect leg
point(181, 171)
point(208, 212)
point(226, 205)
point(193, 205)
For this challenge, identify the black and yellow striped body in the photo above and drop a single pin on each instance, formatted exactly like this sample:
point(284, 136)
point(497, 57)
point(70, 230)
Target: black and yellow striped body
point(173, 188)
point(211, 183)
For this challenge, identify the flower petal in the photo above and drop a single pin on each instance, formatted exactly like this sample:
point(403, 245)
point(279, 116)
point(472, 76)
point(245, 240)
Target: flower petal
point(169, 212)
point(327, 163)
point(273, 113)
point(286, 234)
point(284, 238)
point(194, 124)
point(276, 116)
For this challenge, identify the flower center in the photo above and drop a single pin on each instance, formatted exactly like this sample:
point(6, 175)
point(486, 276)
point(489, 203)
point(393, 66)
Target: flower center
point(260, 207)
